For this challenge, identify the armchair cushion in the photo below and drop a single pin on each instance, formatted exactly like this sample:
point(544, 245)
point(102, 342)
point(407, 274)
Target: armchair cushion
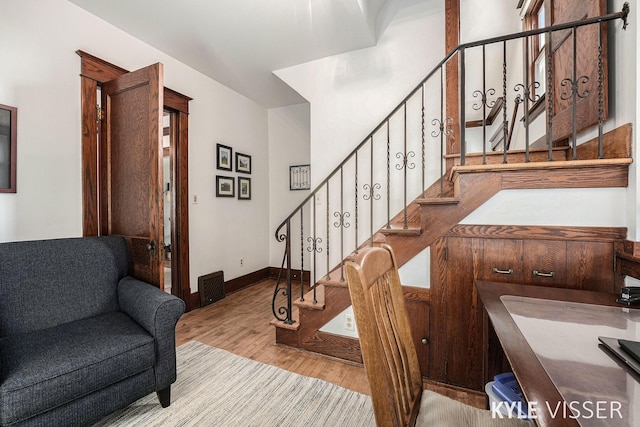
point(79, 358)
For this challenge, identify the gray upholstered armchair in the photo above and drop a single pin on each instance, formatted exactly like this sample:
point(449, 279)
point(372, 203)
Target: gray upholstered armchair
point(78, 337)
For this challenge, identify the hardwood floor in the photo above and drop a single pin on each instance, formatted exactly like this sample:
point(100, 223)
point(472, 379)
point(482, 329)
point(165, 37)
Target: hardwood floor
point(239, 323)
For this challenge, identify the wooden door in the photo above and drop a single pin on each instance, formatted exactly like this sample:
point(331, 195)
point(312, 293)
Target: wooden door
point(586, 78)
point(131, 181)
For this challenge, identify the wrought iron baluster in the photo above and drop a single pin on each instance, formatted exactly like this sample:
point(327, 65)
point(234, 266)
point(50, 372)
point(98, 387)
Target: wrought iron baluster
point(388, 178)
point(302, 254)
point(574, 92)
point(328, 231)
point(505, 126)
point(443, 128)
point(441, 136)
point(463, 97)
point(404, 166)
point(600, 94)
point(549, 87)
point(316, 249)
point(371, 193)
point(525, 99)
point(424, 163)
point(341, 223)
point(356, 207)
point(283, 314)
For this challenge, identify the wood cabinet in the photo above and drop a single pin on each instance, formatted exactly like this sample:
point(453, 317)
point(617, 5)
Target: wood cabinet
point(417, 304)
point(464, 350)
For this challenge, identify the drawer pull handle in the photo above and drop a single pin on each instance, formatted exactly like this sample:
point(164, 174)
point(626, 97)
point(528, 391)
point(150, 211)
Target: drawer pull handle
point(509, 271)
point(541, 274)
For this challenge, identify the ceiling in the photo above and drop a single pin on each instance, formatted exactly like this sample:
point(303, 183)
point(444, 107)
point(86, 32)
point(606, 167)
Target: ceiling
point(239, 43)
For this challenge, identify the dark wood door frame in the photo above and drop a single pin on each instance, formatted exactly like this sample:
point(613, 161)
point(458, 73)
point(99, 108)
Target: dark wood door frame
point(94, 72)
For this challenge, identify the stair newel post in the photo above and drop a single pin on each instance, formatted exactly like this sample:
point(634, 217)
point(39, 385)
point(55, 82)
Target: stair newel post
point(505, 126)
point(463, 97)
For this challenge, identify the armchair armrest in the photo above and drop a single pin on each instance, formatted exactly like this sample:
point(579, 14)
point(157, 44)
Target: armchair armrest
point(158, 313)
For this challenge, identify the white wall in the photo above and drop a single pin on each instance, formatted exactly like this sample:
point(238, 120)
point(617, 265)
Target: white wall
point(351, 93)
point(288, 146)
point(40, 76)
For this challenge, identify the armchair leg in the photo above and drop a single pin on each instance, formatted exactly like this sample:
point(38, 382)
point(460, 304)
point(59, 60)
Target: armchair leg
point(164, 396)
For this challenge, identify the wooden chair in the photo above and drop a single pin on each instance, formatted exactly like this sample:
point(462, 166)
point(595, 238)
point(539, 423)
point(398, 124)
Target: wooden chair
point(389, 354)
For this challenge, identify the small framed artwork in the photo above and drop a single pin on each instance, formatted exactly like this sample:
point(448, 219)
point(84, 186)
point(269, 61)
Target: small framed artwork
point(225, 186)
point(244, 188)
point(8, 141)
point(243, 163)
point(224, 157)
point(300, 177)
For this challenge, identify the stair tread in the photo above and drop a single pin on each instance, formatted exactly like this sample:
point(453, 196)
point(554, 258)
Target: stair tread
point(295, 316)
point(438, 201)
point(308, 299)
point(543, 165)
point(411, 229)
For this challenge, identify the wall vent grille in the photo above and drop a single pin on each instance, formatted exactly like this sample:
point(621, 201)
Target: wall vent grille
point(211, 288)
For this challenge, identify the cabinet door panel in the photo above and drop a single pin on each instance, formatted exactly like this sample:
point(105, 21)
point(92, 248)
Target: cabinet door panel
point(590, 266)
point(545, 262)
point(418, 312)
point(502, 261)
point(464, 328)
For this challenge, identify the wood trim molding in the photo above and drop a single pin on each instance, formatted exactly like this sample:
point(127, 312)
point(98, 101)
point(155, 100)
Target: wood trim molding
point(628, 259)
point(94, 72)
point(591, 234)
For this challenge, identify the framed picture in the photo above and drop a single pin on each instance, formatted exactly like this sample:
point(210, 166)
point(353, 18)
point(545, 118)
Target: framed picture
point(243, 163)
point(225, 186)
point(300, 177)
point(224, 157)
point(244, 188)
point(8, 141)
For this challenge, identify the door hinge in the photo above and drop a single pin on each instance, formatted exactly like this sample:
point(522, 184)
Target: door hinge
point(99, 113)
point(446, 253)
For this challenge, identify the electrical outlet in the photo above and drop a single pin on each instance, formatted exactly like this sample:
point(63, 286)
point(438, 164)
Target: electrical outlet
point(241, 262)
point(349, 322)
point(195, 199)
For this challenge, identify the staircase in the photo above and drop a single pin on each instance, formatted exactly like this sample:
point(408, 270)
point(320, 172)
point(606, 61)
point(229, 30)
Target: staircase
point(352, 207)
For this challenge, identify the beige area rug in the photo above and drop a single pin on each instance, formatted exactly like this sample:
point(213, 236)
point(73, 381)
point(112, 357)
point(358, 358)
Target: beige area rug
point(217, 388)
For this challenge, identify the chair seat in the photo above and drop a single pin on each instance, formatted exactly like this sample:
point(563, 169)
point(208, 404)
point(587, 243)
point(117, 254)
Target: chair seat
point(437, 410)
point(45, 369)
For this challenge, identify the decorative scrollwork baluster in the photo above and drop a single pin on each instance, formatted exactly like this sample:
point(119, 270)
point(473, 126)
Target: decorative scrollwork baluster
point(574, 88)
point(404, 160)
point(483, 99)
point(371, 191)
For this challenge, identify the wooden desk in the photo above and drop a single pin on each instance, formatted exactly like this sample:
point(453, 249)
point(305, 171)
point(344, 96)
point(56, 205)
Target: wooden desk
point(501, 302)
